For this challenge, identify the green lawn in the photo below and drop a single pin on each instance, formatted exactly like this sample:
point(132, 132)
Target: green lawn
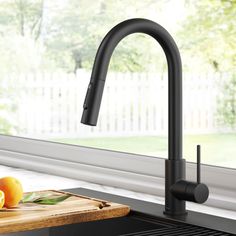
point(217, 149)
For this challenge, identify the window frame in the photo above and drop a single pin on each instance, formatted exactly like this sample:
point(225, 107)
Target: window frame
point(118, 169)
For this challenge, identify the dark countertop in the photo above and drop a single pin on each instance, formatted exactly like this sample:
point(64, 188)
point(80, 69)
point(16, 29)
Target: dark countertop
point(196, 218)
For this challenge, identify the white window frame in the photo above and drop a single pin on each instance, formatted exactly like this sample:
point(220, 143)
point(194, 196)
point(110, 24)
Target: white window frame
point(124, 170)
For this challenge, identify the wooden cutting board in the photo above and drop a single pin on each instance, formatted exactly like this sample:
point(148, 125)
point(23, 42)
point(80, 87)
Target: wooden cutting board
point(75, 209)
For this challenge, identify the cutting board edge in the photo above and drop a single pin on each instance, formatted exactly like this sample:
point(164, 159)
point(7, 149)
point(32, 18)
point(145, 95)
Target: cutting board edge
point(66, 219)
point(118, 210)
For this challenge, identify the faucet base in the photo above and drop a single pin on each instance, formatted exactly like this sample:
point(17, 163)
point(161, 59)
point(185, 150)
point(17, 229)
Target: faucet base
point(174, 171)
point(170, 213)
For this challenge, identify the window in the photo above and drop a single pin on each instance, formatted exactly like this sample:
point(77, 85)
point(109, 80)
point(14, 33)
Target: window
point(47, 51)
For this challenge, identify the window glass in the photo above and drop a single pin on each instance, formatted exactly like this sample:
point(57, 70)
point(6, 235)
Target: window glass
point(47, 51)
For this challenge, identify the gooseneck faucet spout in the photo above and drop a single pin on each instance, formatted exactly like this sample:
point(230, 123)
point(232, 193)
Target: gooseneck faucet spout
point(175, 190)
point(100, 67)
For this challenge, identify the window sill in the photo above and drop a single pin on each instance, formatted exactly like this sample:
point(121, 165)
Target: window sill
point(125, 171)
point(33, 181)
point(122, 170)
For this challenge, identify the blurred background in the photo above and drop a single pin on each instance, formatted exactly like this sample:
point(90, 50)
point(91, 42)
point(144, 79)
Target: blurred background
point(47, 51)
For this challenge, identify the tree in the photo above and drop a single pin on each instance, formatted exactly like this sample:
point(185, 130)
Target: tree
point(210, 34)
point(20, 49)
point(20, 34)
point(23, 17)
point(65, 35)
point(79, 30)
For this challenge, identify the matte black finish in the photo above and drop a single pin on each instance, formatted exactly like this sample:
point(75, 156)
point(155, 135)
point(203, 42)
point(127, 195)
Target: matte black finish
point(174, 171)
point(189, 191)
point(175, 165)
point(136, 224)
point(100, 67)
point(198, 164)
point(186, 190)
point(110, 227)
point(150, 222)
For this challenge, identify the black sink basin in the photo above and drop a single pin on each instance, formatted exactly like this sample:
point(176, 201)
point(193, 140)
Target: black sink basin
point(136, 224)
point(147, 219)
point(111, 227)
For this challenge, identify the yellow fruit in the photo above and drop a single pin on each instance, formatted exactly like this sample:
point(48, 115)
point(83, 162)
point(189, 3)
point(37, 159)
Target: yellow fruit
point(12, 189)
point(2, 199)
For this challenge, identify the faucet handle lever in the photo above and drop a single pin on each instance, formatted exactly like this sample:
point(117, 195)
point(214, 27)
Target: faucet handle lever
point(198, 164)
point(192, 191)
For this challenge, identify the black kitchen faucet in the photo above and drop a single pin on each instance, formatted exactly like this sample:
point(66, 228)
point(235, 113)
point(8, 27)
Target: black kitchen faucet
point(177, 189)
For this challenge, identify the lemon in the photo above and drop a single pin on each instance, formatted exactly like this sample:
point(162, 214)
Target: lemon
point(2, 199)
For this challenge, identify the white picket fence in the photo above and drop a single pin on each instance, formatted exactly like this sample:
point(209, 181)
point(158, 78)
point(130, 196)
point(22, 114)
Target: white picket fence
point(50, 105)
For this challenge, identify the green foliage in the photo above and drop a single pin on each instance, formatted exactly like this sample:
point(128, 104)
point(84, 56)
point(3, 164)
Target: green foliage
point(6, 121)
point(64, 35)
point(227, 103)
point(20, 31)
point(21, 17)
point(5, 126)
point(45, 198)
point(44, 35)
point(78, 32)
point(209, 33)
point(18, 54)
